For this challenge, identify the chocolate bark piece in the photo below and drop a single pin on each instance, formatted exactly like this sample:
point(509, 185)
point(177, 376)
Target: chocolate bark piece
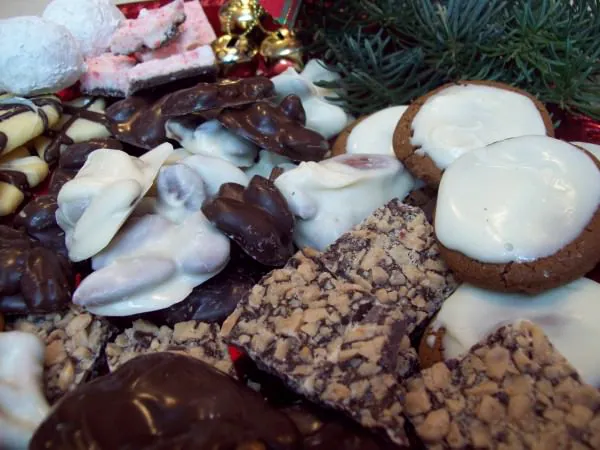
point(196, 339)
point(394, 255)
point(38, 220)
point(257, 218)
point(33, 279)
point(215, 96)
point(165, 401)
point(512, 390)
point(74, 341)
point(329, 340)
point(83, 119)
point(277, 128)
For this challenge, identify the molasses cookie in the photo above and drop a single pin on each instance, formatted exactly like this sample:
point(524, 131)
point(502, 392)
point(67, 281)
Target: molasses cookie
point(520, 215)
point(567, 315)
point(458, 117)
point(370, 134)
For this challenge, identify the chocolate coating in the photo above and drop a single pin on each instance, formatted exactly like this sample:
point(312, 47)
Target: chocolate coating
point(138, 121)
point(223, 94)
point(17, 179)
point(75, 156)
point(279, 129)
point(165, 401)
point(38, 219)
point(260, 222)
point(59, 178)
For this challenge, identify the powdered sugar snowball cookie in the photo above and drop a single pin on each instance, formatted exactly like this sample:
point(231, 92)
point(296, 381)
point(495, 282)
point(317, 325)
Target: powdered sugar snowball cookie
point(372, 134)
point(94, 205)
point(567, 314)
point(456, 118)
point(91, 22)
point(37, 56)
point(210, 138)
point(23, 406)
point(322, 116)
point(330, 197)
point(520, 215)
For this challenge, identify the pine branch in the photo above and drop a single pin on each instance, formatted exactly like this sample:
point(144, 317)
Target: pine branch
point(391, 51)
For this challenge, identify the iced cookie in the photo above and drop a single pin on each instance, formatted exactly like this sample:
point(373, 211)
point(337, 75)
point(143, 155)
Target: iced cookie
point(37, 56)
point(330, 197)
point(196, 339)
point(210, 138)
point(83, 119)
point(23, 119)
point(73, 341)
point(91, 22)
point(567, 315)
point(535, 225)
point(322, 115)
point(97, 202)
point(22, 404)
point(457, 118)
point(512, 390)
point(370, 134)
point(594, 149)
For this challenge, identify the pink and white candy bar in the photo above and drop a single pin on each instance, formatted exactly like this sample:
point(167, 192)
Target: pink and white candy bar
point(193, 33)
point(151, 30)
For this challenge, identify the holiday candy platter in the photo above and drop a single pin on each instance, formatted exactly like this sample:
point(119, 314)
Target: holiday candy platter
point(190, 259)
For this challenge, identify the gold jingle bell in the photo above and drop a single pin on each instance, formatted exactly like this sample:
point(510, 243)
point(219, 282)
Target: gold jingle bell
point(239, 16)
point(233, 49)
point(282, 44)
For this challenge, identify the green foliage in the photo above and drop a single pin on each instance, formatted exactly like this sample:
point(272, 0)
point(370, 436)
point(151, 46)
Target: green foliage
point(391, 51)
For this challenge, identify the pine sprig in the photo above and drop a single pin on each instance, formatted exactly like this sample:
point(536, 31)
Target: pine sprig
point(392, 51)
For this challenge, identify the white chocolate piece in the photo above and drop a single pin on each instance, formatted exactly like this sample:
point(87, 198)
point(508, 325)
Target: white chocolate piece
point(181, 191)
point(22, 127)
point(91, 22)
point(215, 172)
point(568, 315)
point(97, 202)
point(33, 167)
point(37, 56)
point(267, 161)
point(322, 116)
point(374, 134)
point(517, 200)
point(10, 198)
point(23, 406)
point(594, 149)
point(465, 117)
point(332, 196)
point(213, 139)
point(152, 264)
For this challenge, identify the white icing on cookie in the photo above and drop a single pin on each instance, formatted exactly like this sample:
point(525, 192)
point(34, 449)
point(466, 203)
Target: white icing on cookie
point(517, 200)
point(374, 133)
point(322, 116)
point(267, 161)
point(23, 406)
point(92, 22)
point(213, 139)
point(95, 204)
point(37, 56)
point(464, 117)
point(594, 149)
point(332, 196)
point(568, 315)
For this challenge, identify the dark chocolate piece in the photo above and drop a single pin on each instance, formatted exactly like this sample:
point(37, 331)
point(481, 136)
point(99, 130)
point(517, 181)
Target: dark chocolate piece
point(216, 96)
point(59, 178)
point(74, 341)
point(193, 338)
point(38, 219)
point(513, 390)
point(256, 218)
point(330, 340)
point(279, 129)
point(424, 198)
point(393, 253)
point(33, 279)
point(165, 401)
point(17, 179)
point(139, 121)
point(172, 79)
